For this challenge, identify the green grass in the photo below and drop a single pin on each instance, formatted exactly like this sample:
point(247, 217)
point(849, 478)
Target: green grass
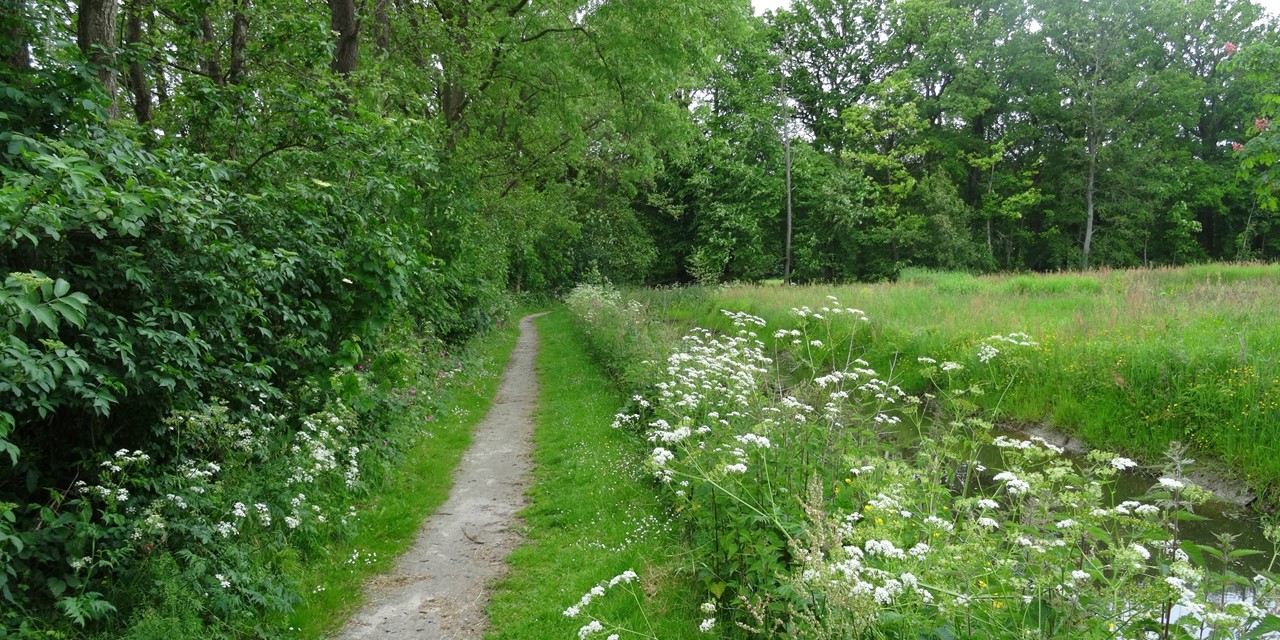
point(593, 515)
point(386, 525)
point(1129, 360)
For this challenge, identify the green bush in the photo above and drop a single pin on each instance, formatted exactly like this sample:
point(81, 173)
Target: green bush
point(189, 318)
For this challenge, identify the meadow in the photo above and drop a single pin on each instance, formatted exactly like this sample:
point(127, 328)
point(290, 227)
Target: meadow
point(1127, 360)
point(770, 413)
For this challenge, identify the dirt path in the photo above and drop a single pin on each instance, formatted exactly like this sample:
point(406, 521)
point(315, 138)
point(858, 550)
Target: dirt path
point(438, 589)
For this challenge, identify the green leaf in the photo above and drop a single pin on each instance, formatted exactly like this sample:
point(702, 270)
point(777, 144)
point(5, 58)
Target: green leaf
point(1269, 624)
point(1210, 550)
point(10, 449)
point(46, 317)
point(1099, 534)
point(56, 586)
point(1243, 553)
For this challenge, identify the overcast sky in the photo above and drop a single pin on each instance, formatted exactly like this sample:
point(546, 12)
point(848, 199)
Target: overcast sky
point(761, 6)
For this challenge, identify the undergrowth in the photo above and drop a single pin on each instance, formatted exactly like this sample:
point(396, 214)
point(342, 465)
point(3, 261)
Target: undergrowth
point(269, 517)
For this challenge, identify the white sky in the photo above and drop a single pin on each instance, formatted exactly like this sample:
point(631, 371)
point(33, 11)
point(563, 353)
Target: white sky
point(1272, 6)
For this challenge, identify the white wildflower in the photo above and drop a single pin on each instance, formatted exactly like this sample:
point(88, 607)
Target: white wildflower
point(591, 627)
point(1122, 464)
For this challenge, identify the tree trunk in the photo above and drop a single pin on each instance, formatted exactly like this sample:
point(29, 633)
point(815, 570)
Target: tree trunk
point(1092, 136)
point(239, 40)
point(137, 78)
point(342, 21)
point(1089, 192)
point(786, 273)
point(209, 39)
point(453, 103)
point(14, 54)
point(96, 36)
point(157, 65)
point(991, 249)
point(383, 22)
point(991, 188)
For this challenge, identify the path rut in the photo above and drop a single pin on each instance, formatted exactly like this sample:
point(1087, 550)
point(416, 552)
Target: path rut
point(438, 589)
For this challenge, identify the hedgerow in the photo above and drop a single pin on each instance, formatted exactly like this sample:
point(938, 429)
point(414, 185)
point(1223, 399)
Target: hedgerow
point(197, 368)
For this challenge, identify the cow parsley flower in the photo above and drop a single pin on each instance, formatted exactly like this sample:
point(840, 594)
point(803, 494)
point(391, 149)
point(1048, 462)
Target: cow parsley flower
point(1013, 484)
point(1122, 464)
point(590, 628)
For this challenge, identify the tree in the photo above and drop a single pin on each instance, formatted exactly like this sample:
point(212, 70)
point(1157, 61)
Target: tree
point(96, 37)
point(14, 49)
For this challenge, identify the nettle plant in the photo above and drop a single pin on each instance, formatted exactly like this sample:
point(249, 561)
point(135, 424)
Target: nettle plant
point(827, 502)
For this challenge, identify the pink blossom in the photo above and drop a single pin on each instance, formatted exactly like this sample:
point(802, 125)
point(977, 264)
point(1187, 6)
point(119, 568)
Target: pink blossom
point(1230, 47)
point(1261, 124)
point(1236, 146)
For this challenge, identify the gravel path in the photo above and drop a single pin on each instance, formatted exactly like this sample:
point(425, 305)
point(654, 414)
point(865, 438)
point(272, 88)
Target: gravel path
point(438, 589)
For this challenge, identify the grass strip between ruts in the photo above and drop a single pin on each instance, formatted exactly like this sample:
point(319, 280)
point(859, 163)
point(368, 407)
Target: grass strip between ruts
point(593, 515)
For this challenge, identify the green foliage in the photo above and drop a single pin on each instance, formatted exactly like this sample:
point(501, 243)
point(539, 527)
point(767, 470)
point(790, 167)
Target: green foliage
point(186, 314)
point(1260, 155)
point(1007, 123)
point(209, 207)
point(823, 501)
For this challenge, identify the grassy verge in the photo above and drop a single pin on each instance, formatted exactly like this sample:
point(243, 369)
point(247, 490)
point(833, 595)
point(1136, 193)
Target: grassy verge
point(416, 486)
point(1128, 360)
point(593, 515)
point(816, 523)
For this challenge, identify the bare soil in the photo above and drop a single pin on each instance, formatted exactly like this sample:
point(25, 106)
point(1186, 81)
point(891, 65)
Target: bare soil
point(439, 588)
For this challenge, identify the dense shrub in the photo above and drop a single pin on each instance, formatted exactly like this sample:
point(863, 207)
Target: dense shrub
point(168, 409)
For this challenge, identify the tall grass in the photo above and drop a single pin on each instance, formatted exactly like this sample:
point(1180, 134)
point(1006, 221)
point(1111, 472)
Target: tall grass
point(1131, 360)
